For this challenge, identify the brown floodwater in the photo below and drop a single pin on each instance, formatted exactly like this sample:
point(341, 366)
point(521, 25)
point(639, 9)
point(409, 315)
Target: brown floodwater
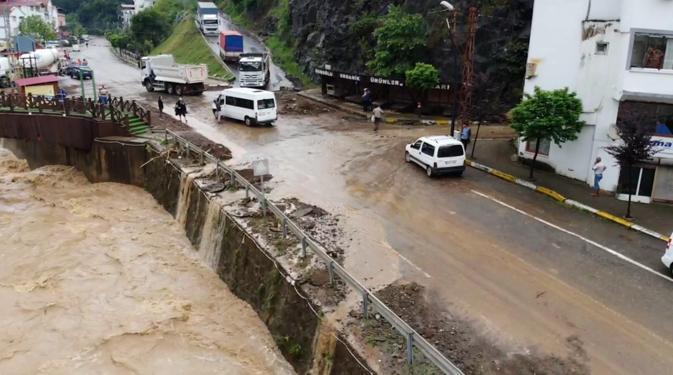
point(98, 278)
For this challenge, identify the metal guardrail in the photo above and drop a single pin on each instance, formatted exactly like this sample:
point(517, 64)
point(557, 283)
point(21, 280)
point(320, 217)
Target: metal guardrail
point(369, 300)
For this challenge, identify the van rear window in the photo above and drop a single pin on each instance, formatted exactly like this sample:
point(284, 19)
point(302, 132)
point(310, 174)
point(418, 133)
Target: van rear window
point(266, 103)
point(450, 151)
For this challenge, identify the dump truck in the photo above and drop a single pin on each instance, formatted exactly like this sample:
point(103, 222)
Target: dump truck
point(231, 45)
point(161, 72)
point(253, 70)
point(207, 18)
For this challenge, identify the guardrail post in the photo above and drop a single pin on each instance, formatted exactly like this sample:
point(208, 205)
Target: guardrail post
point(233, 180)
point(410, 348)
point(303, 247)
point(247, 192)
point(263, 202)
point(187, 150)
point(284, 228)
point(365, 304)
point(201, 158)
point(330, 270)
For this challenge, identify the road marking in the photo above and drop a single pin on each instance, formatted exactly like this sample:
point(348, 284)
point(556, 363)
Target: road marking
point(387, 245)
point(594, 243)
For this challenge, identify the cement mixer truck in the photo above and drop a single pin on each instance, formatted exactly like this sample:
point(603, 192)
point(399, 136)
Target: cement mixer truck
point(41, 60)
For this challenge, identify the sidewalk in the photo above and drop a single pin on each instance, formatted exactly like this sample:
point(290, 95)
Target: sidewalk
point(390, 117)
point(501, 155)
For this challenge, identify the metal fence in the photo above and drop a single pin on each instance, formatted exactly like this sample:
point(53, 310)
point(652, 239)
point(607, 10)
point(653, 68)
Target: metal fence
point(413, 339)
point(117, 109)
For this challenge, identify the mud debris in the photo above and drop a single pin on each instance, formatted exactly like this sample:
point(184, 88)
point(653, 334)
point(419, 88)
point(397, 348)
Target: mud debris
point(458, 340)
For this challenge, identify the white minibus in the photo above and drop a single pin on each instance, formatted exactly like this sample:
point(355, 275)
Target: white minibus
point(249, 105)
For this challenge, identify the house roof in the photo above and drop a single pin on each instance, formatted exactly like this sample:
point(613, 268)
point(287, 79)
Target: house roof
point(32, 81)
point(17, 3)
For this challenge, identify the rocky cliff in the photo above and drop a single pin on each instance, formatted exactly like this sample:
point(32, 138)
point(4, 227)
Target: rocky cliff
point(340, 33)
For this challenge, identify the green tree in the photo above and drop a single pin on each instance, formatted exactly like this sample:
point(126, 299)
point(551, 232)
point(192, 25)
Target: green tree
point(421, 78)
point(400, 41)
point(36, 27)
point(552, 115)
point(634, 147)
point(148, 29)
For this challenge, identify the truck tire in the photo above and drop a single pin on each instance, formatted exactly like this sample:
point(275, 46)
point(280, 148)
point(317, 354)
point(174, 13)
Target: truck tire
point(170, 88)
point(179, 89)
point(148, 86)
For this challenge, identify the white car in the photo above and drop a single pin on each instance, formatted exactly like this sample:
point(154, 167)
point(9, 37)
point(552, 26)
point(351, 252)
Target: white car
point(667, 259)
point(437, 155)
point(76, 48)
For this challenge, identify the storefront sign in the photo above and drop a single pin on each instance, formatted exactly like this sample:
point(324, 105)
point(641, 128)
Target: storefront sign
point(323, 72)
point(663, 146)
point(386, 81)
point(350, 77)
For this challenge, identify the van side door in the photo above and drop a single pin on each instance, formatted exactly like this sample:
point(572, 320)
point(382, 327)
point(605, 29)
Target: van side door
point(428, 154)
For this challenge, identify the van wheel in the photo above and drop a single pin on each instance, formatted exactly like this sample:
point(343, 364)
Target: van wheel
point(428, 171)
point(148, 86)
point(248, 121)
point(407, 157)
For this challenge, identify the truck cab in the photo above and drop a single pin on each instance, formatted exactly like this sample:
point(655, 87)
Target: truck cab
point(253, 70)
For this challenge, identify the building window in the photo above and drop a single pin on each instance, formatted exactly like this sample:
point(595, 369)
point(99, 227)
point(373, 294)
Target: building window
point(653, 51)
point(602, 48)
point(544, 147)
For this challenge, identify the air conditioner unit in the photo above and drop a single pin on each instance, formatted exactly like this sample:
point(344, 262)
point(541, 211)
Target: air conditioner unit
point(531, 70)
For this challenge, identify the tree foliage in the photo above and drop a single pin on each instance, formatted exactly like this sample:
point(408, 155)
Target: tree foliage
point(148, 29)
point(635, 146)
point(422, 77)
point(36, 27)
point(400, 42)
point(97, 16)
point(552, 115)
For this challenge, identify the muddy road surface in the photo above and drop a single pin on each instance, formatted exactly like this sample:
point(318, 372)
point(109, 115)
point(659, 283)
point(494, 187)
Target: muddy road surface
point(98, 278)
point(528, 274)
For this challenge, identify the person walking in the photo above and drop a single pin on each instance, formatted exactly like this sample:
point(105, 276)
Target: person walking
point(378, 117)
point(598, 168)
point(367, 100)
point(181, 109)
point(160, 103)
point(465, 135)
point(216, 107)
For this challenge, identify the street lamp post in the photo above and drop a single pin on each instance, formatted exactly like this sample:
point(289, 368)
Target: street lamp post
point(452, 35)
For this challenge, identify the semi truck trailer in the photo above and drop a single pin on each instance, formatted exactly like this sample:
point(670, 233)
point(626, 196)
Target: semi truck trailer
point(231, 45)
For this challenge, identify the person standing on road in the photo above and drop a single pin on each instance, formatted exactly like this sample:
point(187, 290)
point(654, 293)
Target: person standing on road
point(367, 101)
point(181, 109)
point(160, 103)
point(598, 168)
point(378, 117)
point(465, 135)
point(216, 107)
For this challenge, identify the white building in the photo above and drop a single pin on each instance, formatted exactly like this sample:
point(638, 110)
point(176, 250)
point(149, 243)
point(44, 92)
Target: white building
point(127, 12)
point(12, 12)
point(618, 56)
point(142, 4)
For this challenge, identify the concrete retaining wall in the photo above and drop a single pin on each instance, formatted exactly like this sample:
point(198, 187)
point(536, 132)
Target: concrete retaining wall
point(307, 342)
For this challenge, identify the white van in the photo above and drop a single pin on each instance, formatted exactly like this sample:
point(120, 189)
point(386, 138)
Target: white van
point(249, 105)
point(437, 155)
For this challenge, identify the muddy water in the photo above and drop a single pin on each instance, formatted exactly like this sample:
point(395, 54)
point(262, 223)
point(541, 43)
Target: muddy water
point(98, 278)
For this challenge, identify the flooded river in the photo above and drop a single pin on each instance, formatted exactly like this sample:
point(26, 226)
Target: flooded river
point(98, 278)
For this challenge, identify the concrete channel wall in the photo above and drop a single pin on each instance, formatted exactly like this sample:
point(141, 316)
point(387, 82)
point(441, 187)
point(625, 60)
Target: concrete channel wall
point(307, 342)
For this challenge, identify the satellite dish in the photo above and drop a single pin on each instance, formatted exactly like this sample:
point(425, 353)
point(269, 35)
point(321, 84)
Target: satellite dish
point(612, 132)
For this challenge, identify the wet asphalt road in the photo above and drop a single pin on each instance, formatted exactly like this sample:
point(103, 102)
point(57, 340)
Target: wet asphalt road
point(251, 44)
point(529, 286)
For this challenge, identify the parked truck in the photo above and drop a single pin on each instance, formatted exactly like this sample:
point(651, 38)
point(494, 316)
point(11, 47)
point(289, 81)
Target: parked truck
point(253, 70)
point(208, 18)
point(161, 72)
point(231, 45)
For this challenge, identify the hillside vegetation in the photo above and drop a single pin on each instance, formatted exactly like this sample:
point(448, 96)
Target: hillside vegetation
point(188, 47)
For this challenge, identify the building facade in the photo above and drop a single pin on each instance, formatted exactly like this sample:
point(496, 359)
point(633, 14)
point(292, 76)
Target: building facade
point(127, 13)
point(617, 55)
point(142, 4)
point(12, 12)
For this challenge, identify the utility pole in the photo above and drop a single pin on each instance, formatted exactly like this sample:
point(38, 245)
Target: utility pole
point(468, 67)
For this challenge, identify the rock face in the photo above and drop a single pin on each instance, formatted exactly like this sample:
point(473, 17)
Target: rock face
point(339, 33)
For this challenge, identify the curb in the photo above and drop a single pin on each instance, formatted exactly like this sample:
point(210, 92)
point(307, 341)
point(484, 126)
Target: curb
point(568, 202)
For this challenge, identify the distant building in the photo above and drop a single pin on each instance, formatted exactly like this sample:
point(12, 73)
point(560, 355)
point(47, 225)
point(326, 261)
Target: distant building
point(618, 56)
point(127, 13)
point(140, 5)
point(12, 12)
